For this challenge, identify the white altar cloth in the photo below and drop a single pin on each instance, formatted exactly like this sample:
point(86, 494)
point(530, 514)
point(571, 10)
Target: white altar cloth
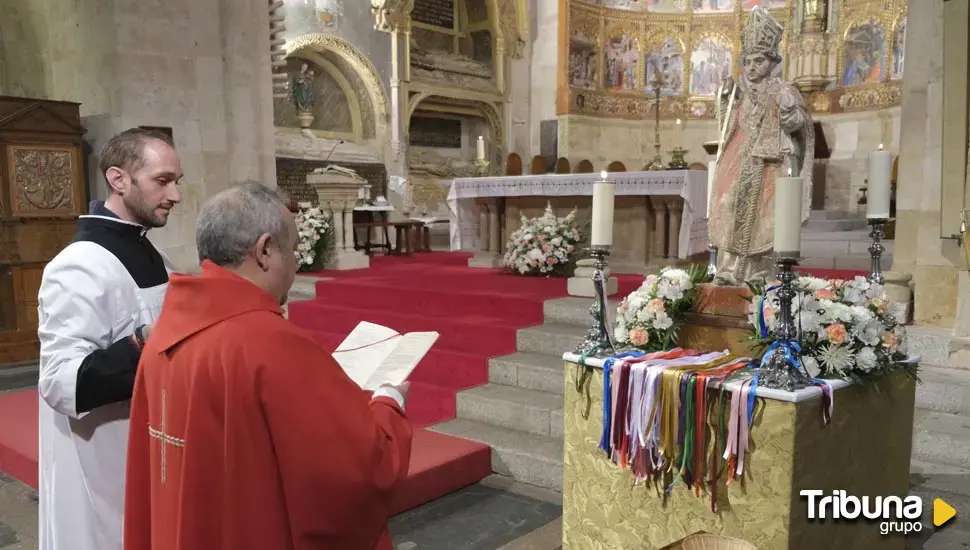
point(691, 185)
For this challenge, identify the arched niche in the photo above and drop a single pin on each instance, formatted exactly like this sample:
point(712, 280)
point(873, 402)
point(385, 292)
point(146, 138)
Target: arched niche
point(337, 103)
point(335, 55)
point(490, 113)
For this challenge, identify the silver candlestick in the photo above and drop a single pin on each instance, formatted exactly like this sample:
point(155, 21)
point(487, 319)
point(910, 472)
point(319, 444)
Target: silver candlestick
point(711, 262)
point(876, 249)
point(777, 370)
point(598, 341)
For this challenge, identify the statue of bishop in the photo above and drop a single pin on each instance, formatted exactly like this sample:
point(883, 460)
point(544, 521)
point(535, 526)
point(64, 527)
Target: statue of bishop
point(764, 132)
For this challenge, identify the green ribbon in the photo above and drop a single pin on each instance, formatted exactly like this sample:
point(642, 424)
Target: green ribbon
point(584, 376)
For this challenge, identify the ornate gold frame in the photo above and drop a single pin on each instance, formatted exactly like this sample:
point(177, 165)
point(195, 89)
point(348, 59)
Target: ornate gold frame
point(650, 29)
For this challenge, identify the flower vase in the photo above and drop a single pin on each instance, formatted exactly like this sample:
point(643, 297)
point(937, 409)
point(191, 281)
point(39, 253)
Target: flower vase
point(305, 116)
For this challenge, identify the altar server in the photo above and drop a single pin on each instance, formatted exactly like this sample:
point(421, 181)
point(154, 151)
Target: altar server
point(97, 299)
point(245, 433)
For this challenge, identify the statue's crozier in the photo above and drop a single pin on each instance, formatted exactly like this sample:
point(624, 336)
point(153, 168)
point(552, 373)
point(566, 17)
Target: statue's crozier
point(767, 132)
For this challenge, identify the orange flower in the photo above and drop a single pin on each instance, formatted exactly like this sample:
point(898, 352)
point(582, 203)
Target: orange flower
point(891, 340)
point(825, 294)
point(639, 336)
point(837, 333)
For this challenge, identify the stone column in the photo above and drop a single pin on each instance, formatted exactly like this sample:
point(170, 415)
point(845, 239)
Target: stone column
point(482, 226)
point(659, 229)
point(490, 235)
point(494, 227)
point(348, 216)
point(394, 17)
point(676, 208)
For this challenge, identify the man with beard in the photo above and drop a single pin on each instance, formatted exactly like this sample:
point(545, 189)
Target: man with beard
point(97, 299)
point(768, 134)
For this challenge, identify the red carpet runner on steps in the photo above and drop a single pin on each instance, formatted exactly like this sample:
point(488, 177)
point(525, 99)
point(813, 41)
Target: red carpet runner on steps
point(476, 311)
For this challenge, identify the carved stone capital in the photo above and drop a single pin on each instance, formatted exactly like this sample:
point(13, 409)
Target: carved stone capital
point(392, 15)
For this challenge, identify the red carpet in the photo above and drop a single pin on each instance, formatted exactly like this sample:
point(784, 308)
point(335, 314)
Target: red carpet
point(477, 313)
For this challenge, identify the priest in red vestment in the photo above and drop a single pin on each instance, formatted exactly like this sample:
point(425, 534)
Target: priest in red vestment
point(245, 433)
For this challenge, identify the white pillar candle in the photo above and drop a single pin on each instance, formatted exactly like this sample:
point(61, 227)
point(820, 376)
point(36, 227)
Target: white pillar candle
point(480, 148)
point(879, 188)
point(602, 223)
point(679, 129)
point(788, 215)
point(711, 168)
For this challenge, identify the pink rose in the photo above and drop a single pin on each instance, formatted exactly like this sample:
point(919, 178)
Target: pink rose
point(837, 333)
point(655, 306)
point(891, 341)
point(825, 294)
point(639, 336)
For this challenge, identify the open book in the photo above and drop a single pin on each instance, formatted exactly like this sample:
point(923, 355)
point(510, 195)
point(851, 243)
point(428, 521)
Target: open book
point(372, 355)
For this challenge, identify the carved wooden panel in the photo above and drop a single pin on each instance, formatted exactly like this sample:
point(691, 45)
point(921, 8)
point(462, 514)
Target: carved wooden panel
point(42, 190)
point(44, 180)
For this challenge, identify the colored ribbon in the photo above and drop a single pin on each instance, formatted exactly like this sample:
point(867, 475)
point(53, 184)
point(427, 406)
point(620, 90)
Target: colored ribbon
point(608, 396)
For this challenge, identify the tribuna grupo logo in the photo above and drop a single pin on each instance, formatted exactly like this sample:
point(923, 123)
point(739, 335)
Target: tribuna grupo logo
point(894, 514)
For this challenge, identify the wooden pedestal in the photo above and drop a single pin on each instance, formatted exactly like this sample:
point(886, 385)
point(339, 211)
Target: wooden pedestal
point(719, 320)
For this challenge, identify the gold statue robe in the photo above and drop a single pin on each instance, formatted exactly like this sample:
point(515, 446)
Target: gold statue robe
point(768, 134)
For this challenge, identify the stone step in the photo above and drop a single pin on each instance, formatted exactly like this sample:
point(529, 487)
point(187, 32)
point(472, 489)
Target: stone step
point(941, 438)
point(952, 536)
point(526, 457)
point(830, 215)
point(18, 377)
point(531, 371)
point(854, 235)
point(838, 224)
point(939, 477)
point(841, 247)
point(532, 411)
point(939, 347)
point(550, 338)
point(944, 390)
point(574, 311)
point(852, 261)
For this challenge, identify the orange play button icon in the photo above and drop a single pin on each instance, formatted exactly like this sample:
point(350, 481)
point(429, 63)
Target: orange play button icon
point(942, 512)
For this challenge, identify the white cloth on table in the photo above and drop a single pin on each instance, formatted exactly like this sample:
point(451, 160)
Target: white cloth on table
point(690, 185)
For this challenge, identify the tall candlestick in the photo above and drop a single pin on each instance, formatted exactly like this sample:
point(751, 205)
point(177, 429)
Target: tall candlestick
point(880, 176)
point(711, 168)
point(480, 148)
point(788, 216)
point(602, 223)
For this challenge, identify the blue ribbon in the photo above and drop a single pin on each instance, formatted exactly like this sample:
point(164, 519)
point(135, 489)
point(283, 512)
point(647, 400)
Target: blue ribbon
point(606, 440)
point(762, 325)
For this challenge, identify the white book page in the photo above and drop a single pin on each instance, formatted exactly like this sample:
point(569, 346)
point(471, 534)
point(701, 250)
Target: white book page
point(364, 349)
point(398, 364)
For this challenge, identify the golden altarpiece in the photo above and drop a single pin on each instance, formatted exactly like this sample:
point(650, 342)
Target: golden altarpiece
point(42, 192)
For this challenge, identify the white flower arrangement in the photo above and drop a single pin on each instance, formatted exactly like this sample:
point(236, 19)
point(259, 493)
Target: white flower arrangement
point(650, 318)
point(846, 329)
point(543, 246)
point(315, 230)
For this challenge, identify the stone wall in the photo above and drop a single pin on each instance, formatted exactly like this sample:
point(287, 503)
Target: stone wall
point(200, 67)
point(850, 137)
point(935, 262)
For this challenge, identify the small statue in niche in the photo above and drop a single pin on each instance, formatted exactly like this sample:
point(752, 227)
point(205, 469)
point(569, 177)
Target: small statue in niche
point(303, 95)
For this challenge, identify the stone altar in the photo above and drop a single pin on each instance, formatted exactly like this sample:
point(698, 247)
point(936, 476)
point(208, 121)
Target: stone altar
point(658, 219)
point(337, 191)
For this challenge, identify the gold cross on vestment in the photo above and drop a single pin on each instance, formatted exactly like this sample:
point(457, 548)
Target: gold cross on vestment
point(164, 438)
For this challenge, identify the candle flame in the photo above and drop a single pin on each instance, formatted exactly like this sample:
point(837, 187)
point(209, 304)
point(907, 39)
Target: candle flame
point(678, 121)
point(789, 171)
point(603, 174)
point(880, 147)
point(480, 138)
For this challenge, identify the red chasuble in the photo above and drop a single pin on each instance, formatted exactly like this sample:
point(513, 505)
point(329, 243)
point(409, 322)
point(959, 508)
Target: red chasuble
point(246, 434)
